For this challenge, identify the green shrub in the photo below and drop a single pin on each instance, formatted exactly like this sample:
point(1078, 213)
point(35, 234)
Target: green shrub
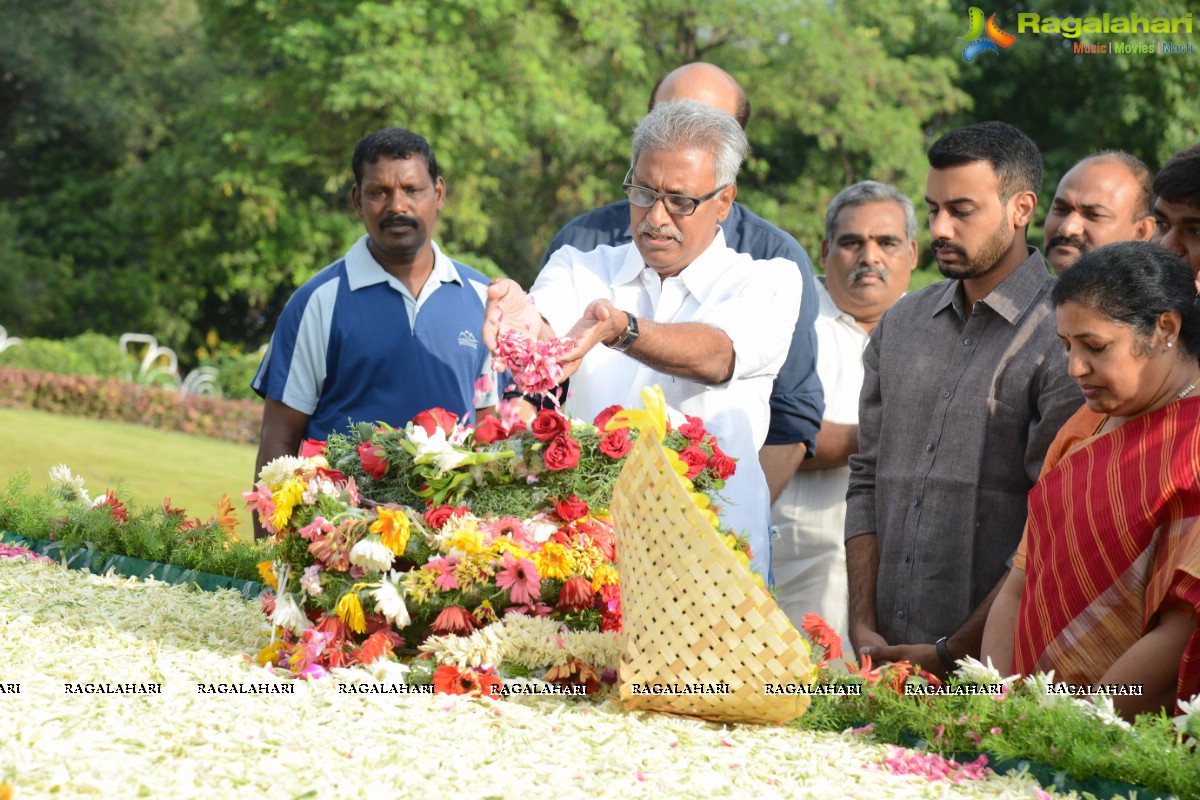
point(111, 399)
point(87, 354)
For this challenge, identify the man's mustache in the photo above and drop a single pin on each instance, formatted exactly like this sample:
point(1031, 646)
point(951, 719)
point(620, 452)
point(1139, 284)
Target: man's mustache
point(1070, 241)
point(948, 246)
point(399, 219)
point(646, 228)
point(863, 270)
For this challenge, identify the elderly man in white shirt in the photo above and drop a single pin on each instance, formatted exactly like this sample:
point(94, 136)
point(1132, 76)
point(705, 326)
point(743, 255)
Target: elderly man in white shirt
point(676, 306)
point(868, 255)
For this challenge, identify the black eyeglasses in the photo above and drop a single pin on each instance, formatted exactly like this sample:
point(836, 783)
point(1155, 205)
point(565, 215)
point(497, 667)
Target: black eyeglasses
point(679, 205)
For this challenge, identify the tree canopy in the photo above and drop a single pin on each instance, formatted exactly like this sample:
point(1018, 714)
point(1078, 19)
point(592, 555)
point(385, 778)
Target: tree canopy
point(180, 166)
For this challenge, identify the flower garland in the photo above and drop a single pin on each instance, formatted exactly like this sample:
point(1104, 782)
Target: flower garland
point(514, 522)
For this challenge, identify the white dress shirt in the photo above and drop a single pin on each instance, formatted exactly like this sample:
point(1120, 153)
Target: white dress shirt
point(755, 303)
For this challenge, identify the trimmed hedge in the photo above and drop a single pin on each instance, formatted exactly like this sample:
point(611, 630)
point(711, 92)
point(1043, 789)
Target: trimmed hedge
point(109, 399)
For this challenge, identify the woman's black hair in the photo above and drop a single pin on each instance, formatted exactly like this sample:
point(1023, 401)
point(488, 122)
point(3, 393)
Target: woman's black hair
point(1134, 283)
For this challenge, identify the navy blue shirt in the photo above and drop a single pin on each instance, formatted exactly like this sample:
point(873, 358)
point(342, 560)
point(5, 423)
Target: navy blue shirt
point(797, 400)
point(347, 347)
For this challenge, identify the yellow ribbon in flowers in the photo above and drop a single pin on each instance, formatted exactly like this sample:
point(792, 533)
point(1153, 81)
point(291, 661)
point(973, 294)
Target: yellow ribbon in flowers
point(653, 418)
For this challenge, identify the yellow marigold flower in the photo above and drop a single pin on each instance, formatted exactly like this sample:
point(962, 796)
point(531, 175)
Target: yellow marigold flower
point(468, 540)
point(605, 575)
point(393, 529)
point(267, 571)
point(351, 612)
point(286, 498)
point(268, 655)
point(553, 561)
point(711, 518)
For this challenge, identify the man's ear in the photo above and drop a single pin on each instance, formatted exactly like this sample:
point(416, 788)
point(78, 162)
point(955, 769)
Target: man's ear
point(725, 201)
point(1144, 229)
point(1021, 206)
point(356, 199)
point(439, 192)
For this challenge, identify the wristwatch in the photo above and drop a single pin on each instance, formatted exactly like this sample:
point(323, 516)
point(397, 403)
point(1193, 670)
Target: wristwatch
point(630, 335)
point(943, 652)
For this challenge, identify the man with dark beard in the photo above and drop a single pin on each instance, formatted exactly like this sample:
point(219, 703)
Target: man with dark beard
point(965, 385)
point(1104, 198)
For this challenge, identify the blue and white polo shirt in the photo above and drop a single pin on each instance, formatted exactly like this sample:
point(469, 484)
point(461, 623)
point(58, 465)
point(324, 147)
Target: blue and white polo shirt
point(353, 345)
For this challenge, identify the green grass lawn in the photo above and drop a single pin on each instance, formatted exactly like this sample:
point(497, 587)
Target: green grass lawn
point(145, 464)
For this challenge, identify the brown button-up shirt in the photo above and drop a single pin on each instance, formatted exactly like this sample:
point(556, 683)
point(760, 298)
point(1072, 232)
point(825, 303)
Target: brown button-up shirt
point(955, 416)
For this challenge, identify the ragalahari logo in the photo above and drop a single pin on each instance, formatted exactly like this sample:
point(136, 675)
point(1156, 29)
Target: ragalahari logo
point(984, 38)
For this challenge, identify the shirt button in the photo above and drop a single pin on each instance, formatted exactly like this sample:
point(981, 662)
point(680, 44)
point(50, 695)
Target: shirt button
point(968, 342)
point(945, 394)
point(907, 559)
point(900, 614)
point(916, 503)
point(928, 448)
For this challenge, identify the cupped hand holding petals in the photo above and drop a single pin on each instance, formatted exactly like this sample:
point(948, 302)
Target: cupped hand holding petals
point(509, 308)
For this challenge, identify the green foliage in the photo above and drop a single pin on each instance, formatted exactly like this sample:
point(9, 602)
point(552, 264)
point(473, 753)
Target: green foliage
point(180, 166)
point(1046, 729)
point(153, 534)
point(87, 354)
point(1074, 104)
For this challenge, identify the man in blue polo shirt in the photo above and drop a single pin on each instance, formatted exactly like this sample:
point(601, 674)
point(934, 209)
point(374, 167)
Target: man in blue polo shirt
point(797, 401)
point(387, 331)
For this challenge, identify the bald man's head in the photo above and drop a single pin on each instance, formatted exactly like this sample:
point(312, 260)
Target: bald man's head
point(705, 84)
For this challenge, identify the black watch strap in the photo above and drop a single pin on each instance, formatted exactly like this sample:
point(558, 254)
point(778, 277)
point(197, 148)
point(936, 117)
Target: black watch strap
point(626, 339)
point(943, 652)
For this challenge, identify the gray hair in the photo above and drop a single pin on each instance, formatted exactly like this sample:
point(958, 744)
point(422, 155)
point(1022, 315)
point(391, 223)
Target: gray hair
point(863, 192)
point(689, 125)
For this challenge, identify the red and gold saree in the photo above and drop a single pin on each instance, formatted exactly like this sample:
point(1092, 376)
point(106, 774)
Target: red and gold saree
point(1113, 539)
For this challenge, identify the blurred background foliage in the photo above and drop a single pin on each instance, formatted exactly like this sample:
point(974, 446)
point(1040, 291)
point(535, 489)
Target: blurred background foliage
point(179, 166)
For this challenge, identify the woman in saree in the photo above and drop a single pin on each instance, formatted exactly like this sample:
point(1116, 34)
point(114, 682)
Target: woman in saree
point(1105, 586)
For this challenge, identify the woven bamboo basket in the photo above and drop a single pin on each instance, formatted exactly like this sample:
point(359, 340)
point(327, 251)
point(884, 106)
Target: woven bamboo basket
point(693, 615)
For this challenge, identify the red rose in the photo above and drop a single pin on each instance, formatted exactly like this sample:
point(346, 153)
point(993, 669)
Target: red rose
point(561, 453)
point(489, 429)
point(616, 444)
point(695, 458)
point(547, 424)
point(571, 509)
point(435, 418)
point(436, 518)
point(693, 429)
point(374, 464)
point(604, 416)
point(312, 447)
point(721, 465)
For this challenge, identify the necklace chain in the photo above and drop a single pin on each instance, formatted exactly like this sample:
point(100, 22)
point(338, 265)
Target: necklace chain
point(1187, 390)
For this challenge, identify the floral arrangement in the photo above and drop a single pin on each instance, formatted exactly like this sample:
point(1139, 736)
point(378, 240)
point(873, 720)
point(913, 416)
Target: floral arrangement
point(394, 538)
